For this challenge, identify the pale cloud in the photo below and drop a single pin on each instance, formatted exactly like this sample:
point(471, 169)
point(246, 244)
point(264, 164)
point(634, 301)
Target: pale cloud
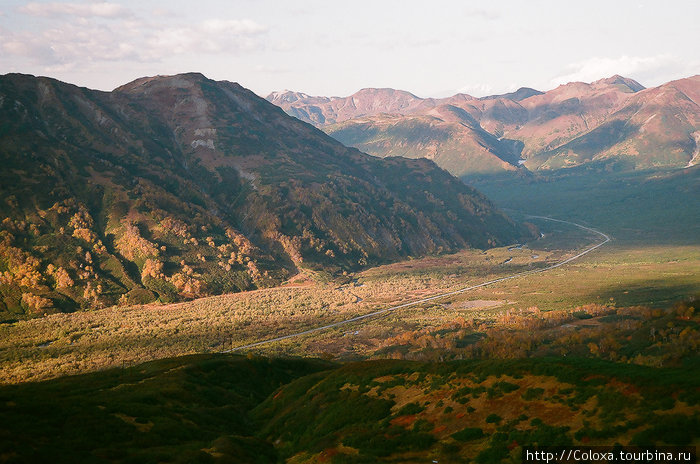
point(649, 70)
point(480, 13)
point(408, 42)
point(74, 42)
point(267, 69)
point(330, 48)
point(210, 36)
point(70, 45)
point(232, 26)
point(25, 46)
point(82, 10)
point(163, 13)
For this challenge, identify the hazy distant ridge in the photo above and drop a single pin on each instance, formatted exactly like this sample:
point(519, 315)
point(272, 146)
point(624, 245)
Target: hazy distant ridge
point(576, 123)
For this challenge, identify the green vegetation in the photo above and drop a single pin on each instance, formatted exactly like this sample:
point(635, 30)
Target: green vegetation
point(189, 409)
point(118, 199)
point(410, 408)
point(614, 299)
point(110, 337)
point(223, 408)
point(533, 394)
point(639, 208)
point(468, 434)
point(614, 397)
point(619, 304)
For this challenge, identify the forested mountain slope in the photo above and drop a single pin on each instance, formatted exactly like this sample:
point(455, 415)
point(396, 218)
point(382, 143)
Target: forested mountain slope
point(179, 186)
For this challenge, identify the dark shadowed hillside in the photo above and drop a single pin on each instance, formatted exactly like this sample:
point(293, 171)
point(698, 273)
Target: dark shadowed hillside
point(229, 409)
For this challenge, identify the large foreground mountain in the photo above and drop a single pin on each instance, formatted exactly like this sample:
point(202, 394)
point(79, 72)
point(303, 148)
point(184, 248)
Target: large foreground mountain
point(180, 186)
point(614, 119)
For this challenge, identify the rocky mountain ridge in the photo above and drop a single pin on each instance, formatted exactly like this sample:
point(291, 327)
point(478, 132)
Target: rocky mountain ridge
point(175, 187)
point(573, 124)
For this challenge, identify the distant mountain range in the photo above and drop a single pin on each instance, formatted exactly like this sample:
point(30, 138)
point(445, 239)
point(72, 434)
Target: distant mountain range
point(577, 123)
point(175, 187)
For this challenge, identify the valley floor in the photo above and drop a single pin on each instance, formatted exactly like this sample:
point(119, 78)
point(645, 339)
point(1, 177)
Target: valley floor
point(71, 343)
point(614, 276)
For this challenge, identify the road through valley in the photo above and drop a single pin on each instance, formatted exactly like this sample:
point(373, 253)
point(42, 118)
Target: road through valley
point(383, 311)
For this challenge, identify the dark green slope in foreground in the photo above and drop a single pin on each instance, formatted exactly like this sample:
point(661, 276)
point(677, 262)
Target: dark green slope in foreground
point(179, 186)
point(230, 409)
point(164, 411)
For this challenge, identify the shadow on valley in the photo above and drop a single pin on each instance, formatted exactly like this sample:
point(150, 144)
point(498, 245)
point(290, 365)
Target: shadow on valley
point(233, 409)
point(163, 411)
point(650, 293)
point(648, 207)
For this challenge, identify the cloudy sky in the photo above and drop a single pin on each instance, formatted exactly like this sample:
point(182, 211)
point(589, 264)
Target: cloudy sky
point(327, 47)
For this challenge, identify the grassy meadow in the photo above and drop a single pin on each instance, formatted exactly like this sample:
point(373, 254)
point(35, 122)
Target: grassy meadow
point(614, 292)
point(71, 343)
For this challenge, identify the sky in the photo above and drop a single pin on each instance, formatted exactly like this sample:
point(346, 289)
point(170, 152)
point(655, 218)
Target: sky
point(432, 48)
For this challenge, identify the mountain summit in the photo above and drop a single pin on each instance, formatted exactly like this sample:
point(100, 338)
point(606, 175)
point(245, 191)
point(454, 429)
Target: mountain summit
point(631, 84)
point(573, 124)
